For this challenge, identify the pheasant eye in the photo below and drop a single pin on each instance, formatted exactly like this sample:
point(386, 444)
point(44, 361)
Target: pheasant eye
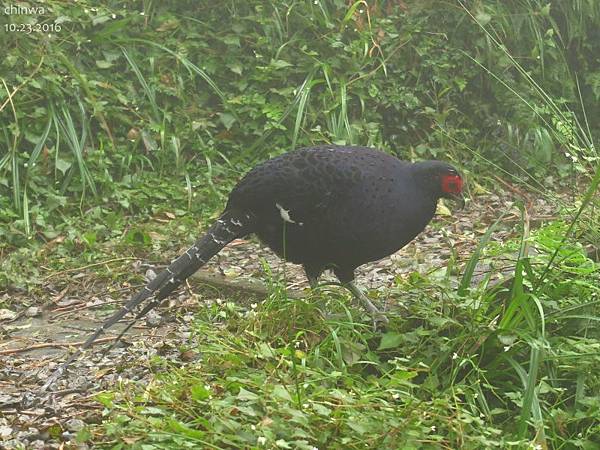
point(452, 184)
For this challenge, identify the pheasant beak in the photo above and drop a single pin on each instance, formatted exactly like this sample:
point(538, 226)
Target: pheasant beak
point(459, 199)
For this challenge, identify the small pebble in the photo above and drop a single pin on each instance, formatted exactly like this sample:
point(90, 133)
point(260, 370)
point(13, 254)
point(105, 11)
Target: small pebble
point(5, 431)
point(67, 435)
point(74, 425)
point(7, 314)
point(32, 311)
point(150, 275)
point(153, 319)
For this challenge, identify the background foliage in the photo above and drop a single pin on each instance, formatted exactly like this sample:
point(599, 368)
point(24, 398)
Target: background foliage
point(186, 89)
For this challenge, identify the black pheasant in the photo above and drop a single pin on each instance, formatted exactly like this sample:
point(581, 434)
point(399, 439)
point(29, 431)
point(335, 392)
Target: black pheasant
point(328, 207)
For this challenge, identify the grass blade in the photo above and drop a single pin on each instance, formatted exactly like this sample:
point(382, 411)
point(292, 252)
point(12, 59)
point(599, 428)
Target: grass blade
point(465, 281)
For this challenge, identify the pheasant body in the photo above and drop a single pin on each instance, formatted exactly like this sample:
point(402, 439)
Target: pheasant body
point(342, 206)
point(323, 207)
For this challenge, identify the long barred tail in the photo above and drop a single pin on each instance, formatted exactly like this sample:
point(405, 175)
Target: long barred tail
point(228, 227)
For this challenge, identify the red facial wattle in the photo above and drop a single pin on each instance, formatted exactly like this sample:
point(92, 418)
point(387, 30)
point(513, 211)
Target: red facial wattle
point(452, 184)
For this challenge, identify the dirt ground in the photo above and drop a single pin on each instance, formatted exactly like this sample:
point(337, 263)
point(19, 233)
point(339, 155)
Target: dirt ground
point(35, 340)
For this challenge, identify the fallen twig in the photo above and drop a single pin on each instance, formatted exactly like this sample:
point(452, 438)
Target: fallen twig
point(76, 269)
point(52, 344)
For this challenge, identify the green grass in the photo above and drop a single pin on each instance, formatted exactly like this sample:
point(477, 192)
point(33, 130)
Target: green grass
point(492, 367)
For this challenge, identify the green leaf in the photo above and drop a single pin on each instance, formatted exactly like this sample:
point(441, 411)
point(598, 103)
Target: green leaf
point(282, 444)
point(63, 165)
point(236, 67)
point(390, 340)
point(232, 40)
point(321, 410)
point(227, 119)
point(199, 393)
point(89, 238)
point(100, 19)
point(279, 64)
point(281, 393)
point(185, 430)
point(359, 427)
point(103, 64)
point(247, 395)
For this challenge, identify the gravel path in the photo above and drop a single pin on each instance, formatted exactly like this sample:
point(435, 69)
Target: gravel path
point(32, 339)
